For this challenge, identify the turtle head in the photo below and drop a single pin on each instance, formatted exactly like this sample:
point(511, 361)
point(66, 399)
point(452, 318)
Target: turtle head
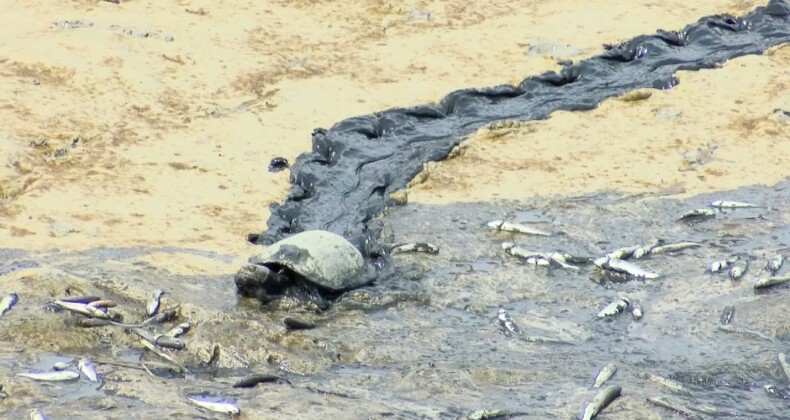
point(260, 281)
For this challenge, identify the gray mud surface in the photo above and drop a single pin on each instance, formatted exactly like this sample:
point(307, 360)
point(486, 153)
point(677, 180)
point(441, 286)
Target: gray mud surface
point(423, 341)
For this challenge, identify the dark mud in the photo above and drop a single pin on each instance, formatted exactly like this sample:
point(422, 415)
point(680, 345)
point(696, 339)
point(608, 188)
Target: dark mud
point(346, 180)
point(423, 341)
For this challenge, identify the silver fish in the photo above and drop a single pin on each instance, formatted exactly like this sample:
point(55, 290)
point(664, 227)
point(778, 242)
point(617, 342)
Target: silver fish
point(624, 267)
point(179, 330)
point(717, 266)
point(737, 271)
point(765, 282)
point(624, 253)
point(775, 263)
point(727, 314)
point(8, 302)
point(604, 374)
point(723, 204)
point(697, 214)
point(538, 260)
point(517, 251)
point(516, 227)
point(507, 322)
point(600, 402)
point(669, 384)
point(676, 247)
point(559, 259)
point(63, 375)
point(636, 311)
point(227, 407)
point(152, 307)
point(415, 247)
point(36, 414)
point(785, 366)
point(87, 369)
point(82, 309)
point(683, 411)
point(614, 308)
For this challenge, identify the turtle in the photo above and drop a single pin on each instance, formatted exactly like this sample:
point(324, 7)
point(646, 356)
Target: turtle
point(316, 264)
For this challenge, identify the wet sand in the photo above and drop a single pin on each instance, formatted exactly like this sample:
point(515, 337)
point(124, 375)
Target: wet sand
point(150, 155)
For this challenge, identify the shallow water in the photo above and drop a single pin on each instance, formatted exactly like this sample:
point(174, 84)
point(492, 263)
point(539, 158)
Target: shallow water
point(423, 341)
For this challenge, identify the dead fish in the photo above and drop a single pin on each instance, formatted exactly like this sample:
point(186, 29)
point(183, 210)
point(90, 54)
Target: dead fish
point(93, 322)
point(614, 308)
point(215, 352)
point(169, 342)
point(515, 227)
point(600, 402)
point(737, 271)
point(150, 346)
point(79, 299)
point(152, 307)
point(717, 266)
point(726, 315)
point(661, 402)
point(676, 247)
point(669, 384)
point(292, 324)
point(775, 263)
point(776, 392)
point(102, 303)
point(507, 322)
point(494, 415)
point(82, 308)
point(766, 282)
point(723, 204)
point(87, 369)
point(697, 214)
point(63, 375)
point(179, 330)
point(253, 379)
point(785, 366)
point(743, 331)
point(559, 259)
point(546, 340)
point(624, 253)
point(36, 414)
point(604, 374)
point(644, 251)
point(624, 267)
point(517, 251)
point(636, 311)
point(8, 302)
point(60, 366)
point(227, 407)
point(415, 247)
point(161, 317)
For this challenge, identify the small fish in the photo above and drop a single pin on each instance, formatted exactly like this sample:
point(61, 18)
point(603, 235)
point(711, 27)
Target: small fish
point(636, 311)
point(517, 251)
point(179, 330)
point(669, 384)
point(600, 402)
point(161, 317)
point(253, 379)
point(614, 308)
point(683, 411)
point(717, 266)
point(538, 260)
point(743, 331)
point(415, 247)
point(645, 250)
point(676, 247)
point(559, 259)
point(102, 303)
point(8, 302)
point(227, 407)
point(723, 204)
point(604, 374)
point(727, 314)
point(766, 282)
point(697, 214)
point(79, 299)
point(624, 253)
point(63, 375)
point(36, 414)
point(785, 366)
point(515, 227)
point(169, 342)
point(82, 308)
point(60, 366)
point(775, 263)
point(150, 346)
point(152, 307)
point(93, 322)
point(737, 271)
point(624, 267)
point(507, 322)
point(87, 369)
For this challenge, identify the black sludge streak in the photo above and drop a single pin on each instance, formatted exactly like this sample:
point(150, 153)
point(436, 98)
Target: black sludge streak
point(345, 181)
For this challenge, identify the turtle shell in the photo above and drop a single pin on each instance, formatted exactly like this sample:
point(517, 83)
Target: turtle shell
point(321, 257)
